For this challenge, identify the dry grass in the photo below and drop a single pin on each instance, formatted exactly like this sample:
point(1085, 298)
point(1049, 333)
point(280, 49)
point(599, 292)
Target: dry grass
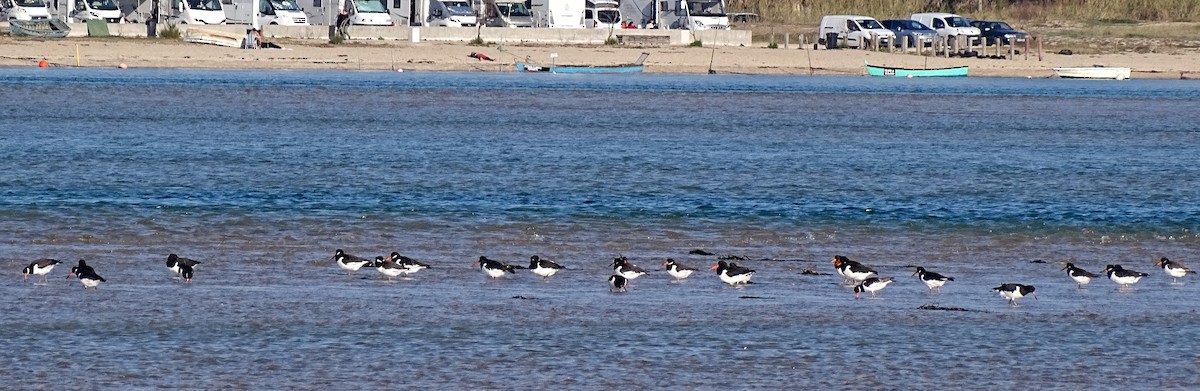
point(1036, 12)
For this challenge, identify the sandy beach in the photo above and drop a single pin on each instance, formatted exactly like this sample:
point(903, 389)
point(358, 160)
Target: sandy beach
point(437, 56)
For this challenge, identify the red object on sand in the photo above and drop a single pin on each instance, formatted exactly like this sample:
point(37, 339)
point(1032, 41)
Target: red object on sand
point(480, 56)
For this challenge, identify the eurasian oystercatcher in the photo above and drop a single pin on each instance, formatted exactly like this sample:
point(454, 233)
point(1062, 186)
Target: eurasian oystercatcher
point(1012, 292)
point(1081, 277)
point(732, 274)
point(617, 283)
point(349, 262)
point(622, 267)
point(87, 276)
point(1174, 269)
point(871, 285)
point(1122, 276)
point(388, 267)
point(410, 265)
point(186, 272)
point(176, 263)
point(678, 270)
point(931, 279)
point(494, 269)
point(852, 271)
point(39, 267)
point(543, 267)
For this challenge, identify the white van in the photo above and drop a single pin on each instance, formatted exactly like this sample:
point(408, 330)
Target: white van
point(508, 13)
point(557, 13)
point(451, 13)
point(24, 9)
point(106, 10)
point(277, 12)
point(602, 14)
point(855, 30)
point(947, 25)
point(197, 12)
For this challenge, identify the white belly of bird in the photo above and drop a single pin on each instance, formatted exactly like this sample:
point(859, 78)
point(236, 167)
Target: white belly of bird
point(544, 271)
point(352, 266)
point(934, 283)
point(175, 268)
point(680, 274)
point(493, 273)
point(89, 283)
point(410, 269)
point(1125, 280)
point(1081, 280)
point(857, 276)
point(1173, 272)
point(1011, 295)
point(877, 286)
point(736, 279)
point(41, 271)
point(631, 275)
point(390, 272)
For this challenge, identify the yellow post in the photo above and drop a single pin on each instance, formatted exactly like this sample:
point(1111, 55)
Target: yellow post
point(76, 55)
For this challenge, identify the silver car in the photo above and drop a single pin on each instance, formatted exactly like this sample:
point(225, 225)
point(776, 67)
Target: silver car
point(911, 30)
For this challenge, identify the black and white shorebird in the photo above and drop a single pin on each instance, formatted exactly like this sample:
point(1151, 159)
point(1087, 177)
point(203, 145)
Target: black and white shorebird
point(543, 267)
point(1174, 269)
point(388, 267)
point(678, 270)
point(494, 269)
point(87, 276)
point(349, 262)
point(852, 271)
point(623, 268)
point(1081, 277)
point(40, 267)
point(732, 274)
point(871, 285)
point(176, 263)
point(931, 279)
point(409, 265)
point(186, 272)
point(1123, 276)
point(616, 283)
point(1012, 292)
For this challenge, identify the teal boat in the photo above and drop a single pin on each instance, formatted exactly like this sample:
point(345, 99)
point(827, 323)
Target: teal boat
point(624, 68)
point(874, 70)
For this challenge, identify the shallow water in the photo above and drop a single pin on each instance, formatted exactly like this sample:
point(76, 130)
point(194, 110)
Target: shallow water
point(262, 174)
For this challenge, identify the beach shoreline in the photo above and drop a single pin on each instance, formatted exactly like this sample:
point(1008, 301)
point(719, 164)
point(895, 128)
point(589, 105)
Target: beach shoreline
point(442, 56)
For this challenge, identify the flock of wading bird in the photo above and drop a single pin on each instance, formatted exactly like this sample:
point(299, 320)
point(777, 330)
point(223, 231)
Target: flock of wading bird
point(861, 277)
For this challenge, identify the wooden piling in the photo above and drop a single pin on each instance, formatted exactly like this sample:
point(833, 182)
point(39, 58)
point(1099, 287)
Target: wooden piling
point(786, 38)
point(1039, 41)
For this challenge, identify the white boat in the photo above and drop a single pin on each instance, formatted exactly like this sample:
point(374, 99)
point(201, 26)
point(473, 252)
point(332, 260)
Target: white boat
point(1094, 72)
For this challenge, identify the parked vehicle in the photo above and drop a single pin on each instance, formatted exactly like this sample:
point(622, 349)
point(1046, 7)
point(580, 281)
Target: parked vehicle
point(947, 25)
point(362, 12)
point(856, 30)
point(24, 10)
point(557, 13)
point(197, 12)
point(277, 12)
point(508, 13)
point(993, 32)
point(692, 14)
point(911, 30)
point(602, 14)
point(451, 13)
point(106, 10)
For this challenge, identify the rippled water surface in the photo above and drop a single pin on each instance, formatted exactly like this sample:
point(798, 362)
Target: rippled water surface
point(262, 174)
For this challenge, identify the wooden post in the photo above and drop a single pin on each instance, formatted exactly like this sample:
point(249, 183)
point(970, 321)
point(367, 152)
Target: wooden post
point(1012, 50)
point(874, 42)
point(946, 47)
point(970, 44)
point(1026, 48)
point(786, 38)
point(904, 45)
point(1039, 41)
point(772, 37)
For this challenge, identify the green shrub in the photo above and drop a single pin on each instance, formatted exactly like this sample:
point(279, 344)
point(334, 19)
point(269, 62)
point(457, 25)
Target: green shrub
point(697, 44)
point(170, 32)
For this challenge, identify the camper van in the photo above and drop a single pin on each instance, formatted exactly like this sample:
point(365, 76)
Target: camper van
point(278, 12)
point(508, 13)
point(854, 30)
point(602, 14)
point(106, 10)
point(947, 25)
point(362, 12)
point(558, 13)
point(693, 14)
point(197, 12)
point(24, 10)
point(451, 13)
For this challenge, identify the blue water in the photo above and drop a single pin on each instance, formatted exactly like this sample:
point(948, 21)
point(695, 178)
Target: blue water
point(262, 174)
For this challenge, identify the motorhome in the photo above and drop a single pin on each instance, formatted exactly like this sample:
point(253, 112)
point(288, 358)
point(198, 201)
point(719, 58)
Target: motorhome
point(692, 14)
point(602, 14)
point(362, 12)
point(106, 10)
point(557, 13)
point(508, 13)
point(451, 13)
point(854, 30)
point(277, 12)
point(196, 12)
point(24, 10)
point(947, 25)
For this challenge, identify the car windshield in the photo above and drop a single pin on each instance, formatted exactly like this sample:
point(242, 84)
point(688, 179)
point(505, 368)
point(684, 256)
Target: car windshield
point(204, 5)
point(458, 8)
point(30, 3)
point(955, 21)
point(285, 5)
point(513, 9)
point(1001, 26)
point(369, 6)
point(103, 5)
point(869, 24)
point(706, 8)
point(608, 16)
point(914, 25)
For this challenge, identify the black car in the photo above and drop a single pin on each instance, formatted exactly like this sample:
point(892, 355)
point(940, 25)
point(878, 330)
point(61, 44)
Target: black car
point(993, 31)
point(912, 30)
